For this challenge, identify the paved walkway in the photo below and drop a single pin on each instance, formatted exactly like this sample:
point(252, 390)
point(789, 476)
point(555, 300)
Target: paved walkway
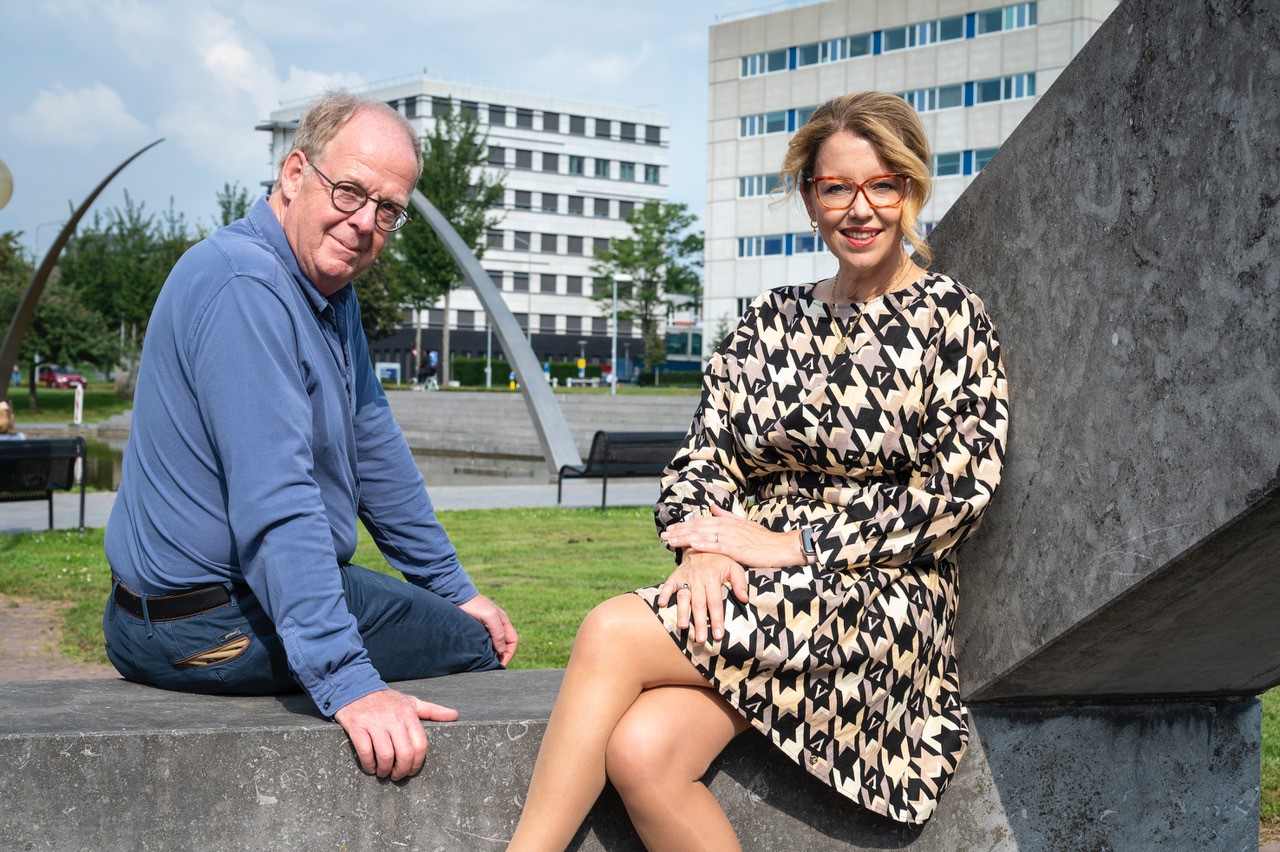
point(34, 517)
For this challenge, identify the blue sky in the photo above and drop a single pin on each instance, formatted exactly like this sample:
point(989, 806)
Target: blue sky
point(85, 83)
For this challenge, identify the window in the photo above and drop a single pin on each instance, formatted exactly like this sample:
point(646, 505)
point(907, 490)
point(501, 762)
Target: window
point(948, 164)
point(765, 122)
point(807, 54)
point(753, 185)
point(547, 323)
point(466, 319)
point(939, 97)
point(803, 114)
point(601, 208)
point(549, 243)
point(577, 125)
point(440, 106)
point(577, 165)
point(599, 244)
point(497, 115)
point(627, 131)
point(604, 128)
point(625, 209)
point(576, 205)
point(652, 135)
point(493, 238)
point(918, 35)
point(764, 63)
point(651, 174)
point(524, 200)
point(547, 284)
point(1005, 88)
point(600, 325)
point(627, 171)
point(522, 241)
point(574, 245)
point(849, 47)
point(573, 325)
point(411, 108)
point(1015, 17)
point(550, 162)
point(520, 282)
point(497, 155)
point(470, 109)
point(573, 285)
point(551, 122)
point(982, 156)
point(602, 168)
point(807, 243)
point(524, 117)
point(759, 246)
point(550, 202)
point(524, 159)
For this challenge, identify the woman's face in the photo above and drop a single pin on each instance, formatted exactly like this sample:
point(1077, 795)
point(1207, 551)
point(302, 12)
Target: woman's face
point(866, 240)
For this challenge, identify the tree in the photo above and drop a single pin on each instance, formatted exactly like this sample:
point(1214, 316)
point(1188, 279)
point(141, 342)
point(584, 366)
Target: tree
point(381, 294)
point(454, 179)
point(656, 267)
point(62, 330)
point(233, 204)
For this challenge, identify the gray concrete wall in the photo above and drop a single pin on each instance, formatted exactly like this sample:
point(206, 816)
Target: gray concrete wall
point(1124, 239)
point(109, 765)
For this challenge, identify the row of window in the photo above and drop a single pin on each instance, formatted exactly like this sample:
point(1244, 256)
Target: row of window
point(575, 205)
point(574, 165)
point(971, 93)
point(972, 25)
point(967, 162)
point(499, 115)
point(549, 323)
point(525, 241)
point(779, 244)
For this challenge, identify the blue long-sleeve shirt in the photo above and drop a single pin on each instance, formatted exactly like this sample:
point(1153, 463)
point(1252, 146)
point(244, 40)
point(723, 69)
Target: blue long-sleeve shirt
point(259, 432)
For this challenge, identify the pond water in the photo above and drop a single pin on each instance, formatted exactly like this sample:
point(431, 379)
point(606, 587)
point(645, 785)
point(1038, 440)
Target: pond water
point(102, 468)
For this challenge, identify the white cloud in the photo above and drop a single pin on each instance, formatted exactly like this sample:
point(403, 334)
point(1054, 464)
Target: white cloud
point(78, 119)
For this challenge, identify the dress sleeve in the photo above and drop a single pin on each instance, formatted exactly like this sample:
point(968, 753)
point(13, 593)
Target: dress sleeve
point(964, 427)
point(709, 467)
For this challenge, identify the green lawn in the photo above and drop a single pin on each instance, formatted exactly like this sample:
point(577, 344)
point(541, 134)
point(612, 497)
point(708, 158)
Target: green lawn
point(57, 406)
point(546, 567)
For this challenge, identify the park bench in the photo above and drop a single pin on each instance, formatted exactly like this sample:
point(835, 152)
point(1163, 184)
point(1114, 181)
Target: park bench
point(622, 454)
point(33, 469)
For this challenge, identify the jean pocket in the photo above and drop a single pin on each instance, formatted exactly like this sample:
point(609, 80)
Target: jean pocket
point(218, 654)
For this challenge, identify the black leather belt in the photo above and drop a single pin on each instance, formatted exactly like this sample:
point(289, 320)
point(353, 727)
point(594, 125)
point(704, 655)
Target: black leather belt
point(170, 607)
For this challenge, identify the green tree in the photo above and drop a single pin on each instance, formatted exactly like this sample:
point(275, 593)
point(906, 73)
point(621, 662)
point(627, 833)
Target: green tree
point(63, 329)
point(655, 269)
point(381, 294)
point(233, 204)
point(455, 180)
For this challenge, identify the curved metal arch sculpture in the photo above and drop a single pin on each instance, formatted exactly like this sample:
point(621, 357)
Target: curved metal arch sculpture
point(553, 431)
point(27, 305)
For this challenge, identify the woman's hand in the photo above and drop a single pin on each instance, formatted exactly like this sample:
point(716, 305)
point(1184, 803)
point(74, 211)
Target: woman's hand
point(698, 587)
point(743, 541)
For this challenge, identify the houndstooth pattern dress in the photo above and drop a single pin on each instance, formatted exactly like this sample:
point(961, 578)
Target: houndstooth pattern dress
point(890, 451)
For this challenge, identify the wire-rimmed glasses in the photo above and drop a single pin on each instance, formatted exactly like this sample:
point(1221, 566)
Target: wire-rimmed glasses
point(837, 193)
point(348, 197)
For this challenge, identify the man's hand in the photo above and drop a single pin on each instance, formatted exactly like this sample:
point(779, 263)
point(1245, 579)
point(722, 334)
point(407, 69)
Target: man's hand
point(496, 622)
point(386, 733)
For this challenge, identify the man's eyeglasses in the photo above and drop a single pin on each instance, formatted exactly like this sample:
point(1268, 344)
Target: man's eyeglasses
point(349, 197)
point(837, 193)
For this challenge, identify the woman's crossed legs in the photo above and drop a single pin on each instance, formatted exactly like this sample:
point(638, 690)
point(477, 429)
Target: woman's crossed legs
point(631, 707)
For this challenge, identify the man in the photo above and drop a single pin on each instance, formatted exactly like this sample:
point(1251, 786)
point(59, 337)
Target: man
point(260, 432)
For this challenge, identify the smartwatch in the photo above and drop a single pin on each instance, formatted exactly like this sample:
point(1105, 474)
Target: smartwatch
point(806, 545)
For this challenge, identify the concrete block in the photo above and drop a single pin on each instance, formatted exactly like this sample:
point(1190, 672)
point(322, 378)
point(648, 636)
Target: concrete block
point(108, 765)
point(1124, 239)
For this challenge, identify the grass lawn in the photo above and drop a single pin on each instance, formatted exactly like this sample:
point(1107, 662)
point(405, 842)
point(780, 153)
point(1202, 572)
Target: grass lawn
point(546, 567)
point(57, 406)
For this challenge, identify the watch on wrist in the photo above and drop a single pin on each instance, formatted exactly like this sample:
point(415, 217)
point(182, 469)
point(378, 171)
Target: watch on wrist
point(806, 545)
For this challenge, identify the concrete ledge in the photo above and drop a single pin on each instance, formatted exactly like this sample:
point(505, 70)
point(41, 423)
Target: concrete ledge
point(110, 765)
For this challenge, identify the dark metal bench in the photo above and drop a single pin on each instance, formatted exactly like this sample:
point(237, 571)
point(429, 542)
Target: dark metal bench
point(33, 469)
point(622, 454)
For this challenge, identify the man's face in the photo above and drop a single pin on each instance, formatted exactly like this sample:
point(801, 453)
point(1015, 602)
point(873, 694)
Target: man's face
point(332, 247)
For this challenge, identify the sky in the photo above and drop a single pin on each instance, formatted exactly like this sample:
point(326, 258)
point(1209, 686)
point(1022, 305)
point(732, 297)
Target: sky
point(86, 83)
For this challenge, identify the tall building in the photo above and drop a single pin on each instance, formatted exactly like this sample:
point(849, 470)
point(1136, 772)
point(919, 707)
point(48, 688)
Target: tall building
point(971, 68)
point(574, 170)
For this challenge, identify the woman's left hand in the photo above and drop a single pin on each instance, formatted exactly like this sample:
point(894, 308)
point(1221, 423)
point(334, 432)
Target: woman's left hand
point(745, 542)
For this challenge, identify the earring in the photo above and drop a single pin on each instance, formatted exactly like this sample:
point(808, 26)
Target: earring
point(813, 223)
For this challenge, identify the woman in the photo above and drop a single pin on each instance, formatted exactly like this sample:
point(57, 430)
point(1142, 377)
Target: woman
point(849, 436)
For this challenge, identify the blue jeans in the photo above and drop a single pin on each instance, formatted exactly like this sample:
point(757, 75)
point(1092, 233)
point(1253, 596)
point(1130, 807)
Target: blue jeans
point(408, 632)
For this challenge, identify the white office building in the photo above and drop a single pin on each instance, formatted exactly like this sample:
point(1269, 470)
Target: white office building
point(574, 170)
point(971, 68)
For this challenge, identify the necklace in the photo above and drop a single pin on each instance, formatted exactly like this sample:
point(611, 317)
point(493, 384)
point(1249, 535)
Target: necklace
point(843, 346)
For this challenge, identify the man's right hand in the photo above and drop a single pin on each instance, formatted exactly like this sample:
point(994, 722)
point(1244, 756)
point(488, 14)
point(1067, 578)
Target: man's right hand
point(386, 731)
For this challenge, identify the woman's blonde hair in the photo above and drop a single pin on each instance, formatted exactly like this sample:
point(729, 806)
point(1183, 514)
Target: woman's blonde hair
point(893, 129)
point(6, 418)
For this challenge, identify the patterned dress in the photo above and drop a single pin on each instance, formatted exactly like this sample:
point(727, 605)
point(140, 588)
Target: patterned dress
point(890, 451)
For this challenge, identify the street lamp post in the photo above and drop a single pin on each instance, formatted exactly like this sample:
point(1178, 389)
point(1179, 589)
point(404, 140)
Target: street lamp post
point(613, 351)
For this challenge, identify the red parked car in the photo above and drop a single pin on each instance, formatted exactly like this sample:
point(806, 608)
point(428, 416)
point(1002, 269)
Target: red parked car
point(54, 376)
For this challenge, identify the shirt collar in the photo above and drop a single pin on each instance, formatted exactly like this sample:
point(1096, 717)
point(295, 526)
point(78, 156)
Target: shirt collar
point(263, 221)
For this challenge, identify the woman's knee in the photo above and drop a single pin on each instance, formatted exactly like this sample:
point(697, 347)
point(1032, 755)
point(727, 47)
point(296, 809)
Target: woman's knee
point(638, 756)
point(611, 626)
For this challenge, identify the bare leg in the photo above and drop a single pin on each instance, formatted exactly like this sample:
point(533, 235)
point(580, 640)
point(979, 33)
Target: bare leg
point(658, 753)
point(620, 650)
